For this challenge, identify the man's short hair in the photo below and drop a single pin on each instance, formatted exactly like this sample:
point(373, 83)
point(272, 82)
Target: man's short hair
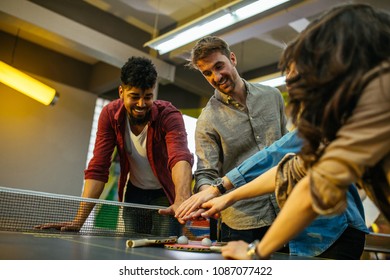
point(139, 72)
point(206, 46)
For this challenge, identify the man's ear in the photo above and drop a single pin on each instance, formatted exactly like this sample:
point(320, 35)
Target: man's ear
point(233, 58)
point(120, 91)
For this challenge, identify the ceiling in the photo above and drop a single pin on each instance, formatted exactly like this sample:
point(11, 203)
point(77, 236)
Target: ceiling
point(107, 32)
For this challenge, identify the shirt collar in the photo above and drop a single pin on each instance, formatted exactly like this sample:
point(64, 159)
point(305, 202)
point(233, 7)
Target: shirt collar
point(228, 100)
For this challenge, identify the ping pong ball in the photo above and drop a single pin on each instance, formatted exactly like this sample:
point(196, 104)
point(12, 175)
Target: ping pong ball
point(206, 242)
point(182, 240)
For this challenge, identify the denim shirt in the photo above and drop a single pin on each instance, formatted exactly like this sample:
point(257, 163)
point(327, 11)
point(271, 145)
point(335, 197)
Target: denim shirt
point(324, 230)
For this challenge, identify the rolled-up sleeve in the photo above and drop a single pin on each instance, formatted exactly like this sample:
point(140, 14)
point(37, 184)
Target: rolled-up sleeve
point(264, 159)
point(98, 167)
point(176, 139)
point(289, 172)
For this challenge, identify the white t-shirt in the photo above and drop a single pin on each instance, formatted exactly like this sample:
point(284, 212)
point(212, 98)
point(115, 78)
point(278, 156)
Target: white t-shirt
point(141, 174)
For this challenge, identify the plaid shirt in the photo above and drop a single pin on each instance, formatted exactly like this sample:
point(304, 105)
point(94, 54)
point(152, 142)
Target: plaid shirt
point(166, 144)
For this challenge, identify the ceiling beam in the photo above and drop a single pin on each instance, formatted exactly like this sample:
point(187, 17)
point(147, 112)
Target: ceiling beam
point(258, 28)
point(84, 39)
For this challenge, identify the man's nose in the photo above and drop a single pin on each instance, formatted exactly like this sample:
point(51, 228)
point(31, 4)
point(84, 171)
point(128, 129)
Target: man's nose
point(217, 77)
point(141, 102)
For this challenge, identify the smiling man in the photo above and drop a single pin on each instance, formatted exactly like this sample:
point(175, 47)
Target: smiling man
point(240, 119)
point(151, 141)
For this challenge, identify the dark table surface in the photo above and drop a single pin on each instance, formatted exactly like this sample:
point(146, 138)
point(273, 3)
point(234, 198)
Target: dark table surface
point(46, 246)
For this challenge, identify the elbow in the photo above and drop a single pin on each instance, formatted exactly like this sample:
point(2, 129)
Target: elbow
point(327, 198)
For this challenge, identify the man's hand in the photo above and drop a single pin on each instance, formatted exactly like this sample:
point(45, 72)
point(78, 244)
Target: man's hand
point(198, 215)
point(171, 210)
point(193, 203)
point(64, 226)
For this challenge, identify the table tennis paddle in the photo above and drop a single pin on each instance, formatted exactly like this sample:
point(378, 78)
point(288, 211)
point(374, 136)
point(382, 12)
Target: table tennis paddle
point(131, 243)
point(194, 246)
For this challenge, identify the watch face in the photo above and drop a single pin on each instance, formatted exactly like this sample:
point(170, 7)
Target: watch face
point(218, 181)
point(251, 248)
point(251, 251)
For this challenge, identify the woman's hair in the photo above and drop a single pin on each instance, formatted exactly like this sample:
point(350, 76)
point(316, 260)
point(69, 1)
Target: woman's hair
point(332, 55)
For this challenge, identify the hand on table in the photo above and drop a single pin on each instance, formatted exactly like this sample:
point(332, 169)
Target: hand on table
point(235, 250)
point(64, 226)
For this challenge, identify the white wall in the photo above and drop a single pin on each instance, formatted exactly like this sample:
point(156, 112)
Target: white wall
point(44, 148)
point(190, 123)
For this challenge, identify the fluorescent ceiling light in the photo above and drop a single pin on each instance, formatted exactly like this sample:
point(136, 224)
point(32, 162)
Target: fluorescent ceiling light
point(299, 24)
point(212, 22)
point(275, 82)
point(256, 8)
point(187, 36)
point(27, 85)
point(272, 80)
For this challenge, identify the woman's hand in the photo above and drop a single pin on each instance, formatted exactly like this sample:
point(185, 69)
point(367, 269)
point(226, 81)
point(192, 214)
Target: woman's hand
point(236, 250)
point(216, 205)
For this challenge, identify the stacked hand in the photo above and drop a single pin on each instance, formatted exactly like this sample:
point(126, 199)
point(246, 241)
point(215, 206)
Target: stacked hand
point(171, 210)
point(191, 208)
point(204, 204)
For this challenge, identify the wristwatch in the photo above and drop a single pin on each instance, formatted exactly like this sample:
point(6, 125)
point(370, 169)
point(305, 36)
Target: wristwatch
point(218, 183)
point(251, 251)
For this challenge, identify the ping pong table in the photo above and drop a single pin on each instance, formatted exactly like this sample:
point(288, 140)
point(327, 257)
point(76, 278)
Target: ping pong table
point(102, 237)
point(54, 246)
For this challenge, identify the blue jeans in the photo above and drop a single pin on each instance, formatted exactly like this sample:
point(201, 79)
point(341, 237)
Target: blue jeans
point(247, 235)
point(141, 221)
point(349, 246)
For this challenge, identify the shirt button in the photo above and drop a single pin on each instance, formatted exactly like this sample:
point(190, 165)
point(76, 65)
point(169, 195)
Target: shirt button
point(257, 137)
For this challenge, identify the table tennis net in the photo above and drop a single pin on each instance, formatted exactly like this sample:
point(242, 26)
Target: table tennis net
point(23, 210)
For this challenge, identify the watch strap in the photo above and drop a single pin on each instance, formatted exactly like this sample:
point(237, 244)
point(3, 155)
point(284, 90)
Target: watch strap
point(218, 183)
point(252, 251)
